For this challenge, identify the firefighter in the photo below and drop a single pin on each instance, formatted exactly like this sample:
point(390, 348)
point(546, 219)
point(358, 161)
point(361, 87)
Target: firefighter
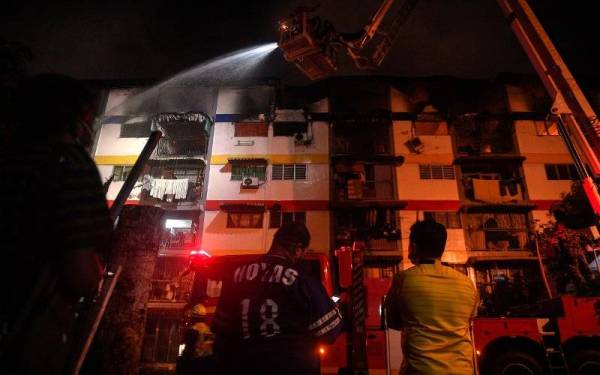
point(271, 315)
point(57, 228)
point(197, 356)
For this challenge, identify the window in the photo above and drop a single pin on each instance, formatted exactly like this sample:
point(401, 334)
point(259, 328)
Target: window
point(288, 172)
point(449, 219)
point(546, 128)
point(436, 172)
point(278, 218)
point(239, 171)
point(251, 129)
point(561, 172)
point(244, 220)
point(120, 172)
point(431, 128)
point(135, 130)
point(179, 234)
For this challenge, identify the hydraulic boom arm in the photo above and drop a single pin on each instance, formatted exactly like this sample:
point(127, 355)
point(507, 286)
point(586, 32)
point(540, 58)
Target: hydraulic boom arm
point(577, 123)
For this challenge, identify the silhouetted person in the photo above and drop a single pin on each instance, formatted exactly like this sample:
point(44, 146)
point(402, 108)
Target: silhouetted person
point(271, 314)
point(56, 223)
point(433, 306)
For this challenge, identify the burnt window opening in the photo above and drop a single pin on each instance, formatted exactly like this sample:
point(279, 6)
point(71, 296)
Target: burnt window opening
point(361, 138)
point(546, 128)
point(251, 129)
point(561, 172)
point(430, 128)
point(289, 129)
point(244, 220)
point(181, 146)
point(184, 134)
point(137, 129)
point(483, 134)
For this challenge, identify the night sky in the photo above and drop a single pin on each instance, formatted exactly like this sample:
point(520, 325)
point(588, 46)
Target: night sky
point(155, 39)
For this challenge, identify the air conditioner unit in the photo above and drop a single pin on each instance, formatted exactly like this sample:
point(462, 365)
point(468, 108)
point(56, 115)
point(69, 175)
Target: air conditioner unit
point(301, 139)
point(415, 145)
point(250, 182)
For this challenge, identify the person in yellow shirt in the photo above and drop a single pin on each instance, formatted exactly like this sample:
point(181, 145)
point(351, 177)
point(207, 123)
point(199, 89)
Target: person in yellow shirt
point(433, 306)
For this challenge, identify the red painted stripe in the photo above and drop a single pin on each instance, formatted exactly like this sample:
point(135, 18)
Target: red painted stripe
point(432, 205)
point(129, 202)
point(304, 205)
point(543, 204)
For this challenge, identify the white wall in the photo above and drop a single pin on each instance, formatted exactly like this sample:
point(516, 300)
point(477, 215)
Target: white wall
point(316, 187)
point(109, 142)
point(539, 187)
point(411, 187)
point(225, 143)
point(531, 143)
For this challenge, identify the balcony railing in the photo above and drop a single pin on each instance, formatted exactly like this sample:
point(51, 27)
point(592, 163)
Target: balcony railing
point(371, 190)
point(167, 290)
point(498, 240)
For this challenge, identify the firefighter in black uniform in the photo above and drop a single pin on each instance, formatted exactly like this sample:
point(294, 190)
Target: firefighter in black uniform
point(271, 315)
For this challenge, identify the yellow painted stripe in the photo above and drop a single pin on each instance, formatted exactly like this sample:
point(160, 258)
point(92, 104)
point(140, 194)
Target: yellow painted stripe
point(446, 159)
point(275, 158)
point(115, 159)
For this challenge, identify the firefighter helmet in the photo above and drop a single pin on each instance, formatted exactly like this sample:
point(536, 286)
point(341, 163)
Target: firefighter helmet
point(199, 311)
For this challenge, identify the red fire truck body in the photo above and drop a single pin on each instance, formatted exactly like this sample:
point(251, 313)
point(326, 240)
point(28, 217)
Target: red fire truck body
point(542, 340)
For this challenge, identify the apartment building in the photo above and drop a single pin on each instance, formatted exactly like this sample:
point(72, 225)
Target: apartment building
point(356, 159)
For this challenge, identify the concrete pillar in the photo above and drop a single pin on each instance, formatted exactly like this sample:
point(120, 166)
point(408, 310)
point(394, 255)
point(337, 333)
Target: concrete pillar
point(118, 344)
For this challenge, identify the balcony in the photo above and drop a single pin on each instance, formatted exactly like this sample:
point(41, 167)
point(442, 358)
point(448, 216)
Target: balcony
point(167, 290)
point(363, 184)
point(494, 191)
point(167, 286)
point(483, 135)
point(502, 235)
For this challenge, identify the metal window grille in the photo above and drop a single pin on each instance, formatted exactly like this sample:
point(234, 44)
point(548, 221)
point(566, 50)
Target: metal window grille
point(238, 172)
point(436, 172)
point(448, 219)
point(560, 172)
point(289, 172)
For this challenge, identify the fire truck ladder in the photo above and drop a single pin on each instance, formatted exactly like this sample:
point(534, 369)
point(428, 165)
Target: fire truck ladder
point(555, 356)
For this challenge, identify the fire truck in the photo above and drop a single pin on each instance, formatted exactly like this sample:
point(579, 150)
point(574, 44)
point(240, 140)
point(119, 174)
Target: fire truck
point(558, 336)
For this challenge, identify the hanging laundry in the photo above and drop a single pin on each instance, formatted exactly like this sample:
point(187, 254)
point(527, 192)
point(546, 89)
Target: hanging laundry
point(162, 187)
